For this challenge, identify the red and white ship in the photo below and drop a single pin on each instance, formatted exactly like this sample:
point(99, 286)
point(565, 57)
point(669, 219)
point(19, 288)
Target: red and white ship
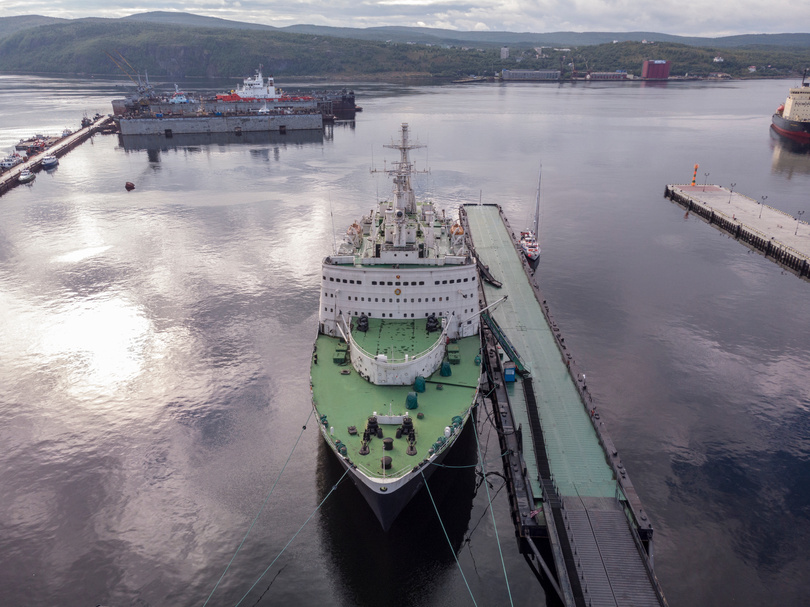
point(256, 88)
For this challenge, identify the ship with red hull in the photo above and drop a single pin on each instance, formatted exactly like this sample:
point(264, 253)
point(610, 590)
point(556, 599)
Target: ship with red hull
point(792, 119)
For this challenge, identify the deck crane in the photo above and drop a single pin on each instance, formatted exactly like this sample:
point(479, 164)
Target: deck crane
point(143, 87)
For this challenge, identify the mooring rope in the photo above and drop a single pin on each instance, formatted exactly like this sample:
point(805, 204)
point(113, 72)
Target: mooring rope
point(323, 501)
point(447, 537)
point(492, 512)
point(304, 427)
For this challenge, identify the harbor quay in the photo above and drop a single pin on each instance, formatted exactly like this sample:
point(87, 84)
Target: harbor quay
point(578, 518)
point(779, 236)
point(10, 178)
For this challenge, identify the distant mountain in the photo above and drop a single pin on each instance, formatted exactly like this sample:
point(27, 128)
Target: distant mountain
point(12, 25)
point(442, 37)
point(191, 20)
point(176, 46)
point(428, 35)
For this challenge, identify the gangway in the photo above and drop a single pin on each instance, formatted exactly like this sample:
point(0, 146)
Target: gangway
point(503, 340)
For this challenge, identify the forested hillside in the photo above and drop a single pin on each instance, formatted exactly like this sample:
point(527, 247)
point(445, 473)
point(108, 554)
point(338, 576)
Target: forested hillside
point(175, 51)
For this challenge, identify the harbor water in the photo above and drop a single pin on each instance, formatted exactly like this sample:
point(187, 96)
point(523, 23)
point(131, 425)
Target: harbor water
point(155, 347)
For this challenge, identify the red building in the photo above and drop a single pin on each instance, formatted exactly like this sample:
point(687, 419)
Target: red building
point(655, 70)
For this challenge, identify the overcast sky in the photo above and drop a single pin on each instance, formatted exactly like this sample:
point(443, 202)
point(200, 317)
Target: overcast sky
point(686, 17)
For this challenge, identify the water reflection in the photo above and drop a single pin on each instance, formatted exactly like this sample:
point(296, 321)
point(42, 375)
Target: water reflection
point(193, 141)
point(409, 564)
point(789, 157)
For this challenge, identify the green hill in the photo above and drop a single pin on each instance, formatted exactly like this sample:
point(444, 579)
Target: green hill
point(179, 45)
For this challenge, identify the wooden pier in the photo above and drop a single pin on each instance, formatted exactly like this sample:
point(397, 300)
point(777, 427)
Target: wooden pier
point(9, 178)
point(782, 238)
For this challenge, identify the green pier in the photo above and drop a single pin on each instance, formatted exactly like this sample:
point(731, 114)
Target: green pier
point(569, 488)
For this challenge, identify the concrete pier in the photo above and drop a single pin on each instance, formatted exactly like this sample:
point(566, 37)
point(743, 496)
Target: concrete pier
point(9, 178)
point(780, 237)
point(569, 492)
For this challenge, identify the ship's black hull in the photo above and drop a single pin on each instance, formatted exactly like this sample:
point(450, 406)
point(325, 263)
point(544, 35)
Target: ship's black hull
point(793, 129)
point(388, 506)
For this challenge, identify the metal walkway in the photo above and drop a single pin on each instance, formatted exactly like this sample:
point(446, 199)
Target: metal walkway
point(599, 534)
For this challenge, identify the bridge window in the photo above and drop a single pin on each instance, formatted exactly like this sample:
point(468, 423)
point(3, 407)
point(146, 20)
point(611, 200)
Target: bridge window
point(374, 282)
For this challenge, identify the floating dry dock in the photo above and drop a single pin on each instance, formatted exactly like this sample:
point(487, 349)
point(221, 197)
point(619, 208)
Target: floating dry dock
point(225, 123)
point(569, 492)
point(777, 235)
point(9, 179)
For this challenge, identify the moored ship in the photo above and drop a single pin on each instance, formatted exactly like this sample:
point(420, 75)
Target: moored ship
point(396, 363)
point(792, 119)
point(254, 88)
point(528, 238)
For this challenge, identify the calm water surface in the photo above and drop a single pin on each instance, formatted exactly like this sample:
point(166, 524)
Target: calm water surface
point(154, 348)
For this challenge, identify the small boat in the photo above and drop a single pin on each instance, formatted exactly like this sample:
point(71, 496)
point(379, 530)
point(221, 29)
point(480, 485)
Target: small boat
point(528, 238)
point(11, 161)
point(792, 118)
point(178, 96)
point(26, 176)
point(528, 242)
point(67, 132)
point(49, 162)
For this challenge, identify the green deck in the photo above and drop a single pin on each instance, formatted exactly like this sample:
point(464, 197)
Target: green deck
point(575, 456)
point(346, 399)
point(395, 338)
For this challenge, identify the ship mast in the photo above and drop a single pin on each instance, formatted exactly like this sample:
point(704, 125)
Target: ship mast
point(536, 224)
point(402, 171)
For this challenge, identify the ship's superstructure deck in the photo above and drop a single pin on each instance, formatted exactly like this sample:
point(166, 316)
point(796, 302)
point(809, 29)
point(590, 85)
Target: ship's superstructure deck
point(574, 480)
